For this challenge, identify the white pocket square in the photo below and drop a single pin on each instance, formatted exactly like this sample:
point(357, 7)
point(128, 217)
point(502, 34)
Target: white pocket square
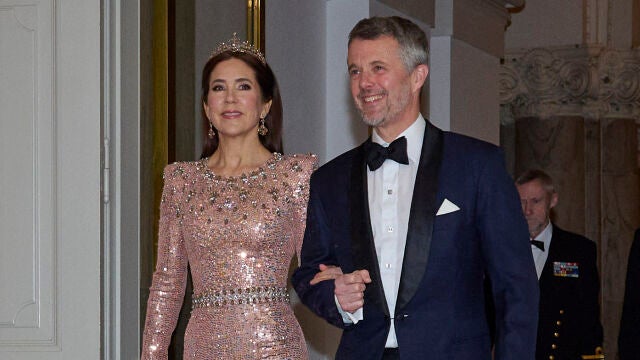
point(447, 207)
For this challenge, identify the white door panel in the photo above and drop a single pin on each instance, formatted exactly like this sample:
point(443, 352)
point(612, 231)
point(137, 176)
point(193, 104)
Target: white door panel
point(50, 105)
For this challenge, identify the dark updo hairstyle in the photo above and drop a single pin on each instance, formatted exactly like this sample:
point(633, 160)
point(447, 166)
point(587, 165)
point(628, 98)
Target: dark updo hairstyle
point(270, 91)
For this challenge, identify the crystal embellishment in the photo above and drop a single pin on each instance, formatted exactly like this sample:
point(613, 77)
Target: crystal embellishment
point(236, 45)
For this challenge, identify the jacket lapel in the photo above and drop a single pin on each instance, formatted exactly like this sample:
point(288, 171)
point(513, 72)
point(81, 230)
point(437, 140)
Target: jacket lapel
point(422, 216)
point(362, 244)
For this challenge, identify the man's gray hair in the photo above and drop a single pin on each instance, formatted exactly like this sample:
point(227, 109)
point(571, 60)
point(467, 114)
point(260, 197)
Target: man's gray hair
point(414, 46)
point(537, 174)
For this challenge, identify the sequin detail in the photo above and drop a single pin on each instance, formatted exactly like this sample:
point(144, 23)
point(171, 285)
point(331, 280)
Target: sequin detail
point(236, 232)
point(253, 295)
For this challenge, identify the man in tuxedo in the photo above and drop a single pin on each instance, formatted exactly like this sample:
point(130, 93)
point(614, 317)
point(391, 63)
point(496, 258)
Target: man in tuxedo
point(404, 227)
point(629, 338)
point(569, 315)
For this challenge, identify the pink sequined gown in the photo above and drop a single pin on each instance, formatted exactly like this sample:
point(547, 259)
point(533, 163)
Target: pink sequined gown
point(239, 235)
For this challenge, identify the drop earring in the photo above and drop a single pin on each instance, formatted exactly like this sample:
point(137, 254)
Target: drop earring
point(262, 129)
point(212, 132)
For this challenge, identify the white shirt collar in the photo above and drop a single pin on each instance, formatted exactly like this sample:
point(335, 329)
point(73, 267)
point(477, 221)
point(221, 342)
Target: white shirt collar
point(414, 135)
point(545, 236)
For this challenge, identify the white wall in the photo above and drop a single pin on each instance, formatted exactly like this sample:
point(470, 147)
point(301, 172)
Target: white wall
point(345, 130)
point(295, 50)
point(474, 75)
point(546, 23)
point(216, 21)
point(306, 45)
point(571, 22)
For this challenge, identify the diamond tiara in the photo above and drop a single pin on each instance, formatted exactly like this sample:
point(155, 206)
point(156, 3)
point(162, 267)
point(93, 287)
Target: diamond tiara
point(236, 45)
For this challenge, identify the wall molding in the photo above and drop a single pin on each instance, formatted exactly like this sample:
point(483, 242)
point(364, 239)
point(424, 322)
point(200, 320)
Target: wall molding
point(590, 81)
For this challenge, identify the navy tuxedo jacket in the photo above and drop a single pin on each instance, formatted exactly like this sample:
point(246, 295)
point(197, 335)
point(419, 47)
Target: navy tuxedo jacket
point(629, 338)
point(569, 311)
point(440, 311)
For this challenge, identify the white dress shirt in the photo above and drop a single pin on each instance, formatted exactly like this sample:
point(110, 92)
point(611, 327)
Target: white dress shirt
point(390, 192)
point(539, 256)
point(389, 207)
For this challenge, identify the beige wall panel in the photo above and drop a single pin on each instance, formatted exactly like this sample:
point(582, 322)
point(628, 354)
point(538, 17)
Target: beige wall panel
point(621, 215)
point(592, 176)
point(556, 145)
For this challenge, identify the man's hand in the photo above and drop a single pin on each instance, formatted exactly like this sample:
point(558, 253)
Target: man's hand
point(327, 272)
point(350, 289)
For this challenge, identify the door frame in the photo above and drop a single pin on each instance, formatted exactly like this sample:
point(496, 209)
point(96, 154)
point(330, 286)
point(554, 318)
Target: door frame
point(121, 194)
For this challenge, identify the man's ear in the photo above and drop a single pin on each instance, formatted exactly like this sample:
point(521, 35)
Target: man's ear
point(419, 76)
point(554, 200)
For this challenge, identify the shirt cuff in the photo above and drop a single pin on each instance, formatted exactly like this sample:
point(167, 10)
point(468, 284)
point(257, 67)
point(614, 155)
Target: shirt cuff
point(347, 317)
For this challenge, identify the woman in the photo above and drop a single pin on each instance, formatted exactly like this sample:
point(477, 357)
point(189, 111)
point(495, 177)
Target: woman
point(237, 217)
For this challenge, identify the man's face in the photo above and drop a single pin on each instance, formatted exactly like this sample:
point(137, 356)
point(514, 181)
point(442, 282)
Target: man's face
point(536, 205)
point(380, 83)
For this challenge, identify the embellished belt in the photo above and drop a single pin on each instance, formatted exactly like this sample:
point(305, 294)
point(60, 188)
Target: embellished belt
point(250, 295)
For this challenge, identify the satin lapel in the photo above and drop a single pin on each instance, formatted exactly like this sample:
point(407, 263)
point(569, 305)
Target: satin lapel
point(422, 216)
point(362, 245)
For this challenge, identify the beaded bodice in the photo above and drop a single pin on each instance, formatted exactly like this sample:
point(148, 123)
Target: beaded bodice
point(238, 235)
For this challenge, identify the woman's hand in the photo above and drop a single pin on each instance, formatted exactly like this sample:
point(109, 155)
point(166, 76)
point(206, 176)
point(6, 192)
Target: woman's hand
point(327, 272)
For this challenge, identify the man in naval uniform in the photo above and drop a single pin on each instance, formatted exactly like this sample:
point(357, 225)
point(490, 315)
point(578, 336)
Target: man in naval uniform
point(569, 316)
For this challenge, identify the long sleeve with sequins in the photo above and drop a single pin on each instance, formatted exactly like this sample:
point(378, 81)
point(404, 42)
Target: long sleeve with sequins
point(309, 165)
point(169, 279)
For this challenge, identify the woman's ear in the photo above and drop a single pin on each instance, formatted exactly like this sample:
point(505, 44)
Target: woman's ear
point(265, 109)
point(206, 109)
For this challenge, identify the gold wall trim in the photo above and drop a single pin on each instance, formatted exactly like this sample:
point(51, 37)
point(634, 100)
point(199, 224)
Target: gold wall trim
point(159, 124)
point(255, 23)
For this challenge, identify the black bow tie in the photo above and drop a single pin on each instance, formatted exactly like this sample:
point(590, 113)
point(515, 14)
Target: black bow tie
point(537, 243)
point(377, 154)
